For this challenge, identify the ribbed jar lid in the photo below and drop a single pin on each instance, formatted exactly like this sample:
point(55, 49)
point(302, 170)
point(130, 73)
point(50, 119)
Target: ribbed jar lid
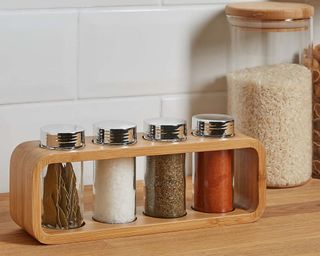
point(213, 125)
point(270, 10)
point(165, 129)
point(62, 136)
point(114, 132)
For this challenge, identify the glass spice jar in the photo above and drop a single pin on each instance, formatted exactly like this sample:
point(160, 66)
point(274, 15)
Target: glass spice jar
point(270, 84)
point(114, 187)
point(165, 182)
point(62, 183)
point(213, 171)
point(316, 91)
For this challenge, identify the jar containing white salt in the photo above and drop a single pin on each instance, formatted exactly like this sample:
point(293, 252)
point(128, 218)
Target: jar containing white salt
point(114, 187)
point(270, 84)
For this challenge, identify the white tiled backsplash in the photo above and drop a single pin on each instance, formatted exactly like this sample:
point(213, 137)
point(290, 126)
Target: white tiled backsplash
point(81, 61)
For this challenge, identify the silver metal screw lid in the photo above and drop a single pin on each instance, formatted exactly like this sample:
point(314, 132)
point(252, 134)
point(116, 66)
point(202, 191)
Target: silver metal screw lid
point(62, 136)
point(114, 132)
point(213, 125)
point(165, 129)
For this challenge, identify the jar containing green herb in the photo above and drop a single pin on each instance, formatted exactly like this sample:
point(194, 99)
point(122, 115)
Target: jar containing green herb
point(62, 183)
point(165, 183)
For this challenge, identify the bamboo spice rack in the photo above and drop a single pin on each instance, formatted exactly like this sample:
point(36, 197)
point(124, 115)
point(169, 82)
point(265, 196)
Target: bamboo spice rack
point(28, 160)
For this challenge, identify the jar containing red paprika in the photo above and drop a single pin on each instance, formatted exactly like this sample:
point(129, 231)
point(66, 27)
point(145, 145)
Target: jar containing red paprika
point(213, 170)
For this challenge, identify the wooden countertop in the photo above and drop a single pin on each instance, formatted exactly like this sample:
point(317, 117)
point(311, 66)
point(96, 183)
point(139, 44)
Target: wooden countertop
point(289, 226)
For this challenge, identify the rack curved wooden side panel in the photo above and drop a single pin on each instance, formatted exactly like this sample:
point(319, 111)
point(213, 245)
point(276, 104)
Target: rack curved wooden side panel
point(28, 161)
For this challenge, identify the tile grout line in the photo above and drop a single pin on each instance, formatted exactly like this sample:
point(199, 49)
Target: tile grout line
point(72, 7)
point(78, 55)
point(79, 100)
point(161, 3)
point(161, 106)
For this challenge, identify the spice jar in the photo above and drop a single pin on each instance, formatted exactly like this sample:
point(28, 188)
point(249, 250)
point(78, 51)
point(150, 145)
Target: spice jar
point(114, 179)
point(165, 174)
point(62, 183)
point(213, 171)
point(269, 86)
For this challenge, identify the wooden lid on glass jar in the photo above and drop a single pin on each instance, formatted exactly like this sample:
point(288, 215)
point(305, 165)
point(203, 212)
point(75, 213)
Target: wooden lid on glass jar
point(270, 10)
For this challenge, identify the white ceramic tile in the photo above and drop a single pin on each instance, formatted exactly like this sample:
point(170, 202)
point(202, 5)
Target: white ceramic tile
point(28, 4)
point(316, 27)
point(185, 106)
point(22, 122)
point(38, 55)
point(173, 2)
point(152, 51)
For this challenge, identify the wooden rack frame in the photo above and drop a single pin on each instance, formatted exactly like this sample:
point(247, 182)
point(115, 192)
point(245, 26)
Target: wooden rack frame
point(28, 160)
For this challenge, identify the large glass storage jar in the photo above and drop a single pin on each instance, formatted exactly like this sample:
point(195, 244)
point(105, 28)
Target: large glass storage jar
point(62, 183)
point(270, 84)
point(212, 173)
point(316, 95)
point(165, 184)
point(114, 187)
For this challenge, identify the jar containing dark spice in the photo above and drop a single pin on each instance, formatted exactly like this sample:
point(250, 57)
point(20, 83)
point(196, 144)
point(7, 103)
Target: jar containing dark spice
point(165, 174)
point(62, 186)
point(212, 172)
point(114, 179)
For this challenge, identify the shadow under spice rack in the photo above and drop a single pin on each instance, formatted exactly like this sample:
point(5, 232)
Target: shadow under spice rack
point(28, 160)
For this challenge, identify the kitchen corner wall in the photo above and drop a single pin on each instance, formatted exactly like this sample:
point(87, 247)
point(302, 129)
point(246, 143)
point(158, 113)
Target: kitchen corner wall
point(81, 61)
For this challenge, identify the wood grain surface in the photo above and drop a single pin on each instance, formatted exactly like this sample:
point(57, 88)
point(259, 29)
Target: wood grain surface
point(28, 161)
point(289, 226)
point(270, 10)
